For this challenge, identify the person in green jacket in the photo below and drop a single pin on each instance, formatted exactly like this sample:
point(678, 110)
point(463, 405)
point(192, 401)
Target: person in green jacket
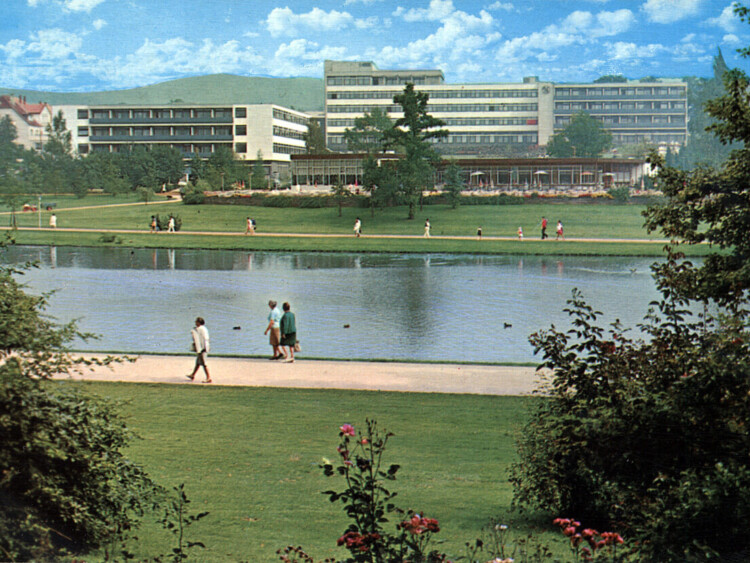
point(288, 332)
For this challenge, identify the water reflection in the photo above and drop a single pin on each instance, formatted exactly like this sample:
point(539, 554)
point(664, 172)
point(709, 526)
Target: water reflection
point(432, 307)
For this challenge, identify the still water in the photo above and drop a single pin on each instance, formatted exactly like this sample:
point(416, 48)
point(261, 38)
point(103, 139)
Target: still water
point(426, 307)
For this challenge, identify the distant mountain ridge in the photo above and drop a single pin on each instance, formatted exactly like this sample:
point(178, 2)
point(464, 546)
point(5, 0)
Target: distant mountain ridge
point(303, 94)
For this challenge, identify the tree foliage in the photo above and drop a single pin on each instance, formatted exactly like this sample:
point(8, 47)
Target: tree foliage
point(413, 135)
point(454, 183)
point(258, 176)
point(315, 140)
point(369, 132)
point(652, 433)
point(583, 136)
point(65, 484)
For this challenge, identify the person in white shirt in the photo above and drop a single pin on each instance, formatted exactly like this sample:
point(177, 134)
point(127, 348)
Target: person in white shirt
point(201, 344)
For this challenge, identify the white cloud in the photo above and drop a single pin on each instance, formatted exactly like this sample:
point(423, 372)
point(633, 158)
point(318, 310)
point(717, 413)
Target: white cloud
point(726, 20)
point(622, 50)
point(283, 21)
point(34, 3)
point(99, 23)
point(461, 37)
point(81, 5)
point(688, 38)
point(578, 28)
point(437, 10)
point(14, 48)
point(251, 34)
point(54, 43)
point(731, 39)
point(366, 2)
point(670, 11)
point(507, 6)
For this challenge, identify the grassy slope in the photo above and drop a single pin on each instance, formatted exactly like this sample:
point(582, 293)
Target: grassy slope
point(304, 94)
point(250, 456)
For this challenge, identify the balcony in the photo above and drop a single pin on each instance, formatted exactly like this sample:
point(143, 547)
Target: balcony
point(141, 139)
point(159, 120)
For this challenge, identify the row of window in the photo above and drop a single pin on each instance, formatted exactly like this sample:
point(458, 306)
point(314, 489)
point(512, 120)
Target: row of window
point(594, 106)
point(435, 94)
point(290, 117)
point(458, 121)
point(468, 138)
point(383, 80)
point(642, 137)
point(199, 149)
point(609, 120)
point(288, 133)
point(154, 131)
point(437, 108)
point(183, 113)
point(622, 91)
point(281, 148)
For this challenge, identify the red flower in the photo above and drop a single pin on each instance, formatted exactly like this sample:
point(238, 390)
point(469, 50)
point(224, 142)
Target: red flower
point(347, 430)
point(569, 531)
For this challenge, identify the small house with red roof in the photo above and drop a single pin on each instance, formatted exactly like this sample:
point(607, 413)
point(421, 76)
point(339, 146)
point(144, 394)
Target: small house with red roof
point(30, 120)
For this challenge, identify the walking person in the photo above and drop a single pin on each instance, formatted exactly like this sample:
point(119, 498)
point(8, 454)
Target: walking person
point(520, 233)
point(479, 233)
point(427, 228)
point(250, 228)
point(544, 228)
point(357, 227)
point(171, 225)
point(560, 234)
point(53, 221)
point(153, 224)
point(201, 344)
point(274, 330)
point(288, 332)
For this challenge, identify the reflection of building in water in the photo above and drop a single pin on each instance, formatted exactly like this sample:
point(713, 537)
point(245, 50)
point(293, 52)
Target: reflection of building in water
point(170, 258)
point(53, 256)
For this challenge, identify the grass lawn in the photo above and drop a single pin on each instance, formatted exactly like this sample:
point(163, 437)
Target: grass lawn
point(250, 456)
point(590, 220)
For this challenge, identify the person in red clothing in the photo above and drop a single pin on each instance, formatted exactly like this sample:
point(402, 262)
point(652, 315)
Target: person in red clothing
point(544, 228)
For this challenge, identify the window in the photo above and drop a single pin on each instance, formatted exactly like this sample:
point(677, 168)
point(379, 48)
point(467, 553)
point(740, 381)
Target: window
point(240, 130)
point(83, 131)
point(83, 148)
point(83, 114)
point(240, 148)
point(240, 112)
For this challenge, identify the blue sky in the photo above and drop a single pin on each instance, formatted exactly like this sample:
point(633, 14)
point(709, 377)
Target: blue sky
point(91, 45)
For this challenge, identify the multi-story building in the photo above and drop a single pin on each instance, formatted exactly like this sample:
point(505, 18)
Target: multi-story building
point(476, 115)
point(635, 112)
point(488, 118)
point(195, 130)
point(30, 120)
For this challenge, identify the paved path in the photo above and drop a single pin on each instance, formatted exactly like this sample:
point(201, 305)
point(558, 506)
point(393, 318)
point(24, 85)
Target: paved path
point(375, 376)
point(334, 235)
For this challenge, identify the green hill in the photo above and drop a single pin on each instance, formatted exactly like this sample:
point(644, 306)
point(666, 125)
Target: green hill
point(304, 94)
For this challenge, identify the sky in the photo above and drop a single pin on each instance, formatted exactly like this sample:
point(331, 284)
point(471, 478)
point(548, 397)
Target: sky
point(94, 45)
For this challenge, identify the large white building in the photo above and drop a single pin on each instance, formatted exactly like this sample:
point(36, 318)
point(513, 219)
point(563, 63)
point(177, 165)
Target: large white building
point(490, 117)
point(30, 120)
point(195, 130)
point(475, 114)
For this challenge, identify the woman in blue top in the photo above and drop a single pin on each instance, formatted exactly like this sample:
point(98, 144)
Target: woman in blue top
point(288, 332)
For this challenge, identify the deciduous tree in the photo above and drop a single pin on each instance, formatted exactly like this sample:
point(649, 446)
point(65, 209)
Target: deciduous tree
point(583, 136)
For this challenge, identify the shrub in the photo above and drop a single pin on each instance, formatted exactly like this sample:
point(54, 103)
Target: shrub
point(193, 195)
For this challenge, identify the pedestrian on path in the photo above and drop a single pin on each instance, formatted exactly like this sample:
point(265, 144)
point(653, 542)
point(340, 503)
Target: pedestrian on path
point(357, 227)
point(171, 225)
point(479, 233)
point(201, 345)
point(520, 233)
point(560, 234)
point(153, 224)
point(288, 332)
point(274, 330)
point(250, 229)
point(427, 228)
point(544, 228)
point(53, 221)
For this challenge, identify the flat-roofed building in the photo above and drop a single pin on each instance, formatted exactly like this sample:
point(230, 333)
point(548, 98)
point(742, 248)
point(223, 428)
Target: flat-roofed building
point(476, 115)
point(30, 120)
point(195, 130)
point(492, 118)
point(635, 112)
